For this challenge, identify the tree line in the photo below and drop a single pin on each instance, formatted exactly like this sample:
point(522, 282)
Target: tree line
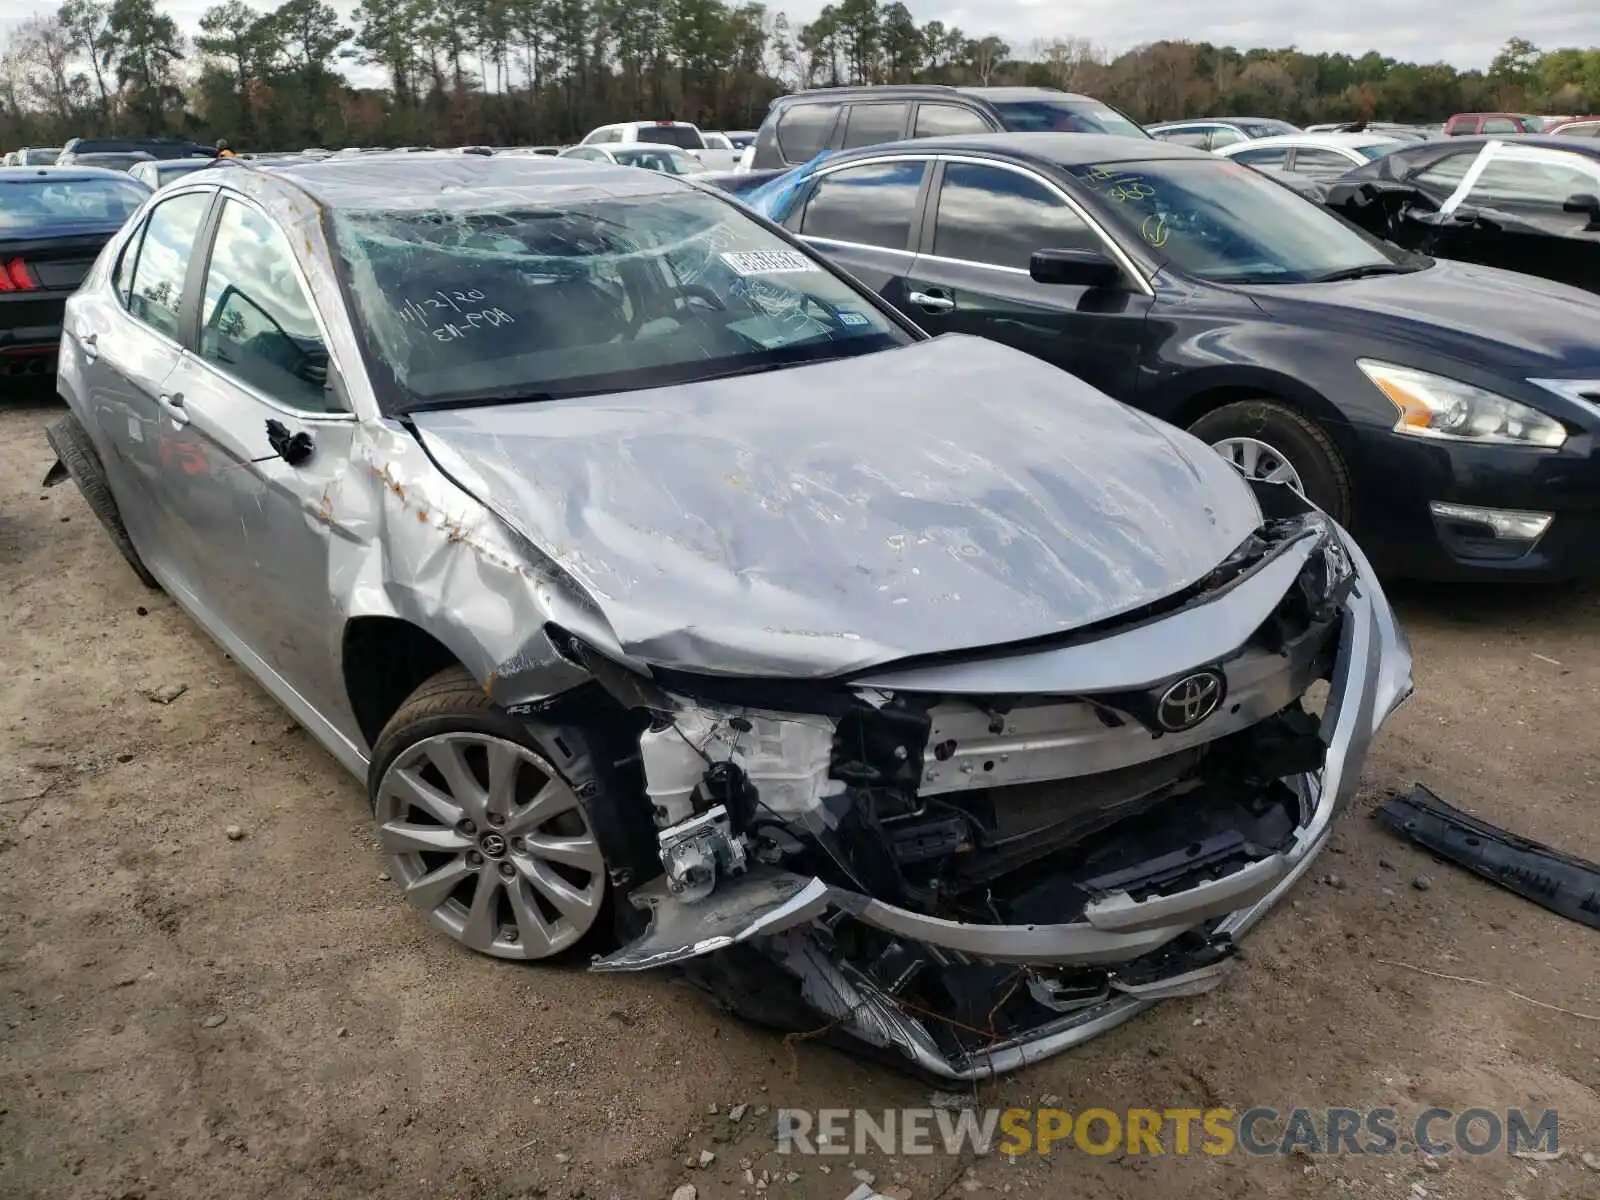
point(522, 72)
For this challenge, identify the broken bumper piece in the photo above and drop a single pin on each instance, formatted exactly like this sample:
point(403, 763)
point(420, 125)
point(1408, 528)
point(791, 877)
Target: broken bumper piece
point(1161, 923)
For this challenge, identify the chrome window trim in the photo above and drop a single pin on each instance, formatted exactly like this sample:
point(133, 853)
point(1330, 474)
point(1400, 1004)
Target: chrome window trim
point(347, 414)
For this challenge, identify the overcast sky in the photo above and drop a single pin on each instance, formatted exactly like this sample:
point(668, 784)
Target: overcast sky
point(1463, 32)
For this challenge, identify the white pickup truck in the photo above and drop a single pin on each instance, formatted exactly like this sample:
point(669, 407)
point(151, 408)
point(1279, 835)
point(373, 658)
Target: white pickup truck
point(712, 149)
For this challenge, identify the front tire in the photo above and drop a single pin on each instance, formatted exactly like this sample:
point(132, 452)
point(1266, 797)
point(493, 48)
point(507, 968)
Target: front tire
point(484, 824)
point(1266, 440)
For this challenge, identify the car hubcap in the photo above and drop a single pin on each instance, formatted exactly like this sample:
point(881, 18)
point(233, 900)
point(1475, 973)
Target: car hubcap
point(491, 845)
point(1255, 459)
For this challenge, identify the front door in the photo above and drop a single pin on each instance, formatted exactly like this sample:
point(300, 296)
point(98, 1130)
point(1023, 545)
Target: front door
point(260, 522)
point(972, 276)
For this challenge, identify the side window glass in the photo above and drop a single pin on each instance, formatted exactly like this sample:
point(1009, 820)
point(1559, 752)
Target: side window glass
point(1321, 164)
point(948, 120)
point(874, 124)
point(256, 323)
point(1499, 125)
point(872, 205)
point(1267, 156)
point(1198, 138)
point(804, 129)
point(1224, 137)
point(1444, 176)
point(989, 215)
point(163, 260)
point(1512, 180)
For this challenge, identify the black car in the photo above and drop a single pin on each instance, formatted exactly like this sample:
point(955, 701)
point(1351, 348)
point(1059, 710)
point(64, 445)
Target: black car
point(53, 222)
point(800, 126)
point(1448, 412)
point(1530, 204)
point(154, 147)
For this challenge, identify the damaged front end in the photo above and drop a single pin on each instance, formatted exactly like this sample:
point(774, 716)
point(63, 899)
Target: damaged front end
point(981, 860)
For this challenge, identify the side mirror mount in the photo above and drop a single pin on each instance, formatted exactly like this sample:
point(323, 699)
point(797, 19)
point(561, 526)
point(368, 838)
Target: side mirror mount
point(1081, 268)
point(1588, 204)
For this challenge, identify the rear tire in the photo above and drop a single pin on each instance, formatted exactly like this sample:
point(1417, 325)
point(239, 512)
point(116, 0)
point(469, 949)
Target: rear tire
point(1261, 431)
point(71, 443)
point(488, 823)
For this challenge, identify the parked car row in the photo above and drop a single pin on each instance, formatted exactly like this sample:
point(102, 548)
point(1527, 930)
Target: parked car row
point(679, 600)
point(1445, 412)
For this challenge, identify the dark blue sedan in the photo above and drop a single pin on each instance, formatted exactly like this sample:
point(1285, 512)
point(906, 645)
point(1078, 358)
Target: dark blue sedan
point(1447, 412)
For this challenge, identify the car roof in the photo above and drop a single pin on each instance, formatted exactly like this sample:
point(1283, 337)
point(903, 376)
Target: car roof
point(891, 91)
point(65, 174)
point(442, 181)
point(1550, 141)
point(1332, 140)
point(1061, 149)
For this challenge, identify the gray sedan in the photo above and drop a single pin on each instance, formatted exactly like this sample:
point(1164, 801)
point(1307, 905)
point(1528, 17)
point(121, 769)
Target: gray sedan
point(677, 601)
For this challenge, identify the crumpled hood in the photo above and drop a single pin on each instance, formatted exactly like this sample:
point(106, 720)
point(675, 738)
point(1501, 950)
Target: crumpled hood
point(808, 522)
point(1482, 315)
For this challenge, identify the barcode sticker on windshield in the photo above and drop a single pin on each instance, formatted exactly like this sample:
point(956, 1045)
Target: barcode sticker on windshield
point(767, 262)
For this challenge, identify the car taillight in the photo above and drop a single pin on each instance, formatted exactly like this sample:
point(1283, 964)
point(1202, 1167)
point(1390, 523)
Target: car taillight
point(15, 277)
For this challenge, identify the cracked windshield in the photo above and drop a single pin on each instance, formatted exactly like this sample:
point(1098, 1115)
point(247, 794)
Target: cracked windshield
point(611, 293)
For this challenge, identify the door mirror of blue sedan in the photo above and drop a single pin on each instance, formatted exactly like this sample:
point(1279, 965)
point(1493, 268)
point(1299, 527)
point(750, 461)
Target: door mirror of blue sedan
point(1587, 203)
point(1082, 268)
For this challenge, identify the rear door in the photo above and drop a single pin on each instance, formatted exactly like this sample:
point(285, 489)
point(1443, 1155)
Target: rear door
point(129, 348)
point(984, 222)
point(863, 216)
point(260, 358)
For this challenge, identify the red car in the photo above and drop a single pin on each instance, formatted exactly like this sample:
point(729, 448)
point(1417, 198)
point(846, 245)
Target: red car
point(1491, 123)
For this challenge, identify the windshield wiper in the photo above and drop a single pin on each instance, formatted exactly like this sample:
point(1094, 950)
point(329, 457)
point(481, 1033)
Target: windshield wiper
point(1364, 272)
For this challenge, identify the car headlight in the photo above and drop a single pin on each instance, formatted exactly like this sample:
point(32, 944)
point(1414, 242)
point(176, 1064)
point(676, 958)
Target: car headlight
point(1435, 407)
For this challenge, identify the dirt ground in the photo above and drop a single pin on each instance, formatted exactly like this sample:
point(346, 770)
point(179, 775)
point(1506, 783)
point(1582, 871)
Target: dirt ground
point(361, 1054)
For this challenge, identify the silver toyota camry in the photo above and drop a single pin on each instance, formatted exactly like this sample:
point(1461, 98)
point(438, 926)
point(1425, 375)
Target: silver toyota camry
point(681, 604)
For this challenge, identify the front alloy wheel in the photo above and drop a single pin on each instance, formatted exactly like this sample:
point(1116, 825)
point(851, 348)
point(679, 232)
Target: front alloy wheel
point(1255, 459)
point(491, 844)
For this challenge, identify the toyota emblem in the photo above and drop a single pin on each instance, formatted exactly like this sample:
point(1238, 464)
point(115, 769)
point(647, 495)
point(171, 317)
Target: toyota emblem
point(1189, 701)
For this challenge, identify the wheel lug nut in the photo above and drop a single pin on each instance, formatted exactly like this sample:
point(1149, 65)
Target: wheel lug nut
point(518, 845)
point(508, 871)
point(467, 827)
point(474, 858)
point(496, 819)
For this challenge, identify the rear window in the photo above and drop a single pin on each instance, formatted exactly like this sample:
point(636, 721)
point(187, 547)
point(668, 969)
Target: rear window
point(38, 205)
point(1066, 116)
point(804, 129)
point(530, 300)
point(685, 137)
point(40, 158)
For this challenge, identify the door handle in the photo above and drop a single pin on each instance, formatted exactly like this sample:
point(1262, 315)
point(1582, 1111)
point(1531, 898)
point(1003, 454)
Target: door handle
point(91, 346)
point(931, 302)
point(173, 403)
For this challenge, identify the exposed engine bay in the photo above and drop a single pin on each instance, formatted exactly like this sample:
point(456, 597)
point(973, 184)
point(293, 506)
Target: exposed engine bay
point(982, 859)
